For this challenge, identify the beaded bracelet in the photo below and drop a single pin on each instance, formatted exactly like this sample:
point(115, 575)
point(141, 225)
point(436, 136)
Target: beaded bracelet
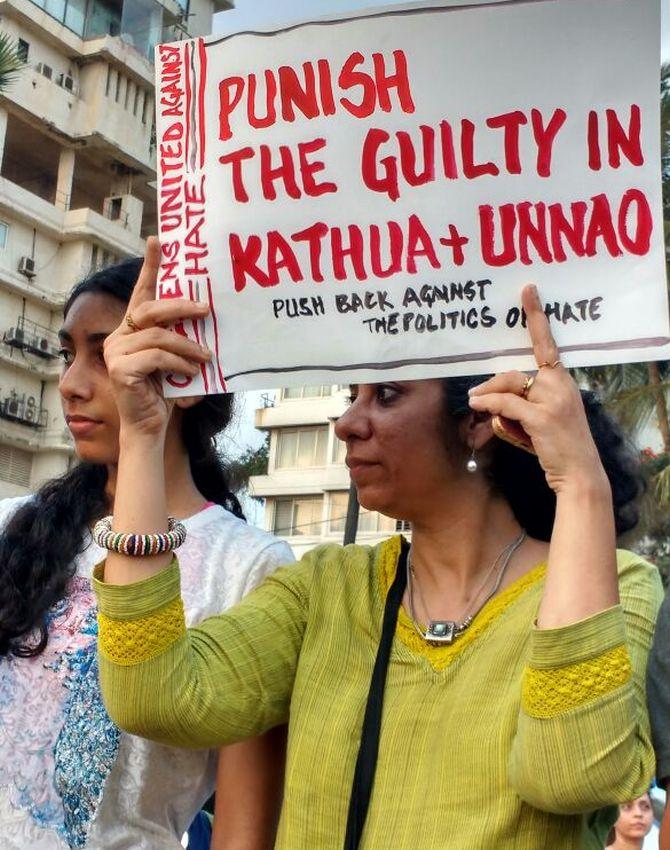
point(138, 545)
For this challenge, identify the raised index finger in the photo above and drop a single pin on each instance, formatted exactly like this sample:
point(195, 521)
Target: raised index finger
point(145, 288)
point(544, 344)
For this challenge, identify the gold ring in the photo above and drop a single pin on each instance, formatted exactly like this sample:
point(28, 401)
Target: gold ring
point(527, 384)
point(130, 322)
point(549, 365)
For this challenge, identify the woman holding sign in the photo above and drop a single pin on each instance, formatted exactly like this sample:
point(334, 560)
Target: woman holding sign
point(481, 689)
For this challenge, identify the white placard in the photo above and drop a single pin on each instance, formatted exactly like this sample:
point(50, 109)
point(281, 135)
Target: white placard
point(363, 199)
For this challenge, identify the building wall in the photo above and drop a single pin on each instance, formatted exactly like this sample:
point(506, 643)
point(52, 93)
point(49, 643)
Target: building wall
point(307, 484)
point(77, 165)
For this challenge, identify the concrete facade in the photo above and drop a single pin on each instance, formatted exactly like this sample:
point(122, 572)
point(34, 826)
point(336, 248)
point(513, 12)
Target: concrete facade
point(77, 192)
point(307, 485)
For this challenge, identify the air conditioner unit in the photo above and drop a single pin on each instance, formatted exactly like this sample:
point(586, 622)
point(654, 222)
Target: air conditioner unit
point(41, 346)
point(27, 266)
point(45, 70)
point(11, 406)
point(66, 81)
point(15, 337)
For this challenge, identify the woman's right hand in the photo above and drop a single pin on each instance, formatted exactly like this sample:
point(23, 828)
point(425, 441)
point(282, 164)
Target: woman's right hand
point(142, 349)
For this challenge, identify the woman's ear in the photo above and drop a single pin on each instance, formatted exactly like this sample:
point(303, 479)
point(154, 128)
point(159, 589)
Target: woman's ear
point(477, 430)
point(190, 401)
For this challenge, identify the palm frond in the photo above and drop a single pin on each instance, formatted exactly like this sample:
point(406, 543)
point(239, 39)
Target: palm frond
point(10, 62)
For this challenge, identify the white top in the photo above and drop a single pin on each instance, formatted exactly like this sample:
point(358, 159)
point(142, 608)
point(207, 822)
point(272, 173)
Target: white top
point(58, 747)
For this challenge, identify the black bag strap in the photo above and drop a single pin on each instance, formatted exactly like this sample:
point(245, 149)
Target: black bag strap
point(366, 761)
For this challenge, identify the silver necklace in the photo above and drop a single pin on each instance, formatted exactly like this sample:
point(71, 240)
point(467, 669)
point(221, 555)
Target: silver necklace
point(442, 632)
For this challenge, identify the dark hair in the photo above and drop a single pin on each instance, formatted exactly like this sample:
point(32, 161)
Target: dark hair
point(39, 545)
point(520, 478)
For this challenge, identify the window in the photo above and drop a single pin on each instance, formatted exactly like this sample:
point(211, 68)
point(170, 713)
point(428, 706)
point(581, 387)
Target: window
point(101, 259)
point(119, 79)
point(15, 466)
point(103, 17)
point(108, 84)
point(137, 99)
point(75, 15)
point(301, 447)
point(403, 525)
point(114, 209)
point(338, 512)
point(307, 392)
point(55, 8)
point(339, 450)
point(369, 522)
point(129, 85)
point(4, 232)
point(145, 107)
point(299, 517)
point(375, 523)
point(22, 50)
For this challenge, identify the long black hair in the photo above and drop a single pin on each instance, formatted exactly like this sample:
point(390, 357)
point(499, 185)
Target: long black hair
point(518, 476)
point(41, 541)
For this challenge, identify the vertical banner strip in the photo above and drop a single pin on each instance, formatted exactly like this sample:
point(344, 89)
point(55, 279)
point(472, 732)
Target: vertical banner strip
point(202, 87)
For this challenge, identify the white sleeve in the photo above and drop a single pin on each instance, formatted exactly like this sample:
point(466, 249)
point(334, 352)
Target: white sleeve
point(274, 555)
point(8, 507)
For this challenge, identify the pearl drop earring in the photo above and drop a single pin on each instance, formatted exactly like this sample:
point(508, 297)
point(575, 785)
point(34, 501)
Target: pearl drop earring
point(471, 465)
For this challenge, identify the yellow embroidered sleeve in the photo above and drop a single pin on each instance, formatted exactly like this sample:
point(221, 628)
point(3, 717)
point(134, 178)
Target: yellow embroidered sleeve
point(127, 642)
point(550, 692)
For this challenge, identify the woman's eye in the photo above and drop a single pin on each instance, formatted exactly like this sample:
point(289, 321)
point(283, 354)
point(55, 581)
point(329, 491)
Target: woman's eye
point(386, 393)
point(65, 356)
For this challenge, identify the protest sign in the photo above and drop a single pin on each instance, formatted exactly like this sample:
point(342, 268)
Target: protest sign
point(363, 199)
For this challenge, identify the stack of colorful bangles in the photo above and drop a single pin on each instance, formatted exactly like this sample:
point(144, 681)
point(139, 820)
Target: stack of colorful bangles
point(138, 545)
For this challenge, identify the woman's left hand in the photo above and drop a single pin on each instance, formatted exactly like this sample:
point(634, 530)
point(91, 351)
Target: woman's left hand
point(551, 411)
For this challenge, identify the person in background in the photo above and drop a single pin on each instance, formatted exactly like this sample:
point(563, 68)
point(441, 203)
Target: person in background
point(68, 776)
point(658, 697)
point(634, 823)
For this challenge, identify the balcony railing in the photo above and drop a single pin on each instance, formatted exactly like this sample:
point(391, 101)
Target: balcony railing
point(111, 207)
point(30, 337)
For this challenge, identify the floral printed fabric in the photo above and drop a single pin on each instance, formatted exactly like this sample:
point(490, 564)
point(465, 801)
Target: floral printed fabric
point(41, 702)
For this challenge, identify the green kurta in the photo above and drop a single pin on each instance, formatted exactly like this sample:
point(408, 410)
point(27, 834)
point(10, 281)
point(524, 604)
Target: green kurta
point(505, 740)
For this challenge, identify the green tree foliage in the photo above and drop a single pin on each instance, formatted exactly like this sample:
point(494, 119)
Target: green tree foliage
point(10, 63)
point(250, 462)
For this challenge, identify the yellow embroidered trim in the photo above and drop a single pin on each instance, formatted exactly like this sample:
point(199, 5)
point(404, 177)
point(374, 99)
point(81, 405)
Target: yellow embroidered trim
point(548, 693)
point(127, 642)
point(440, 657)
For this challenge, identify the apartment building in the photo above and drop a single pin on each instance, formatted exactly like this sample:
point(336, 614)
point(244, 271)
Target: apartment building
point(307, 485)
point(77, 189)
